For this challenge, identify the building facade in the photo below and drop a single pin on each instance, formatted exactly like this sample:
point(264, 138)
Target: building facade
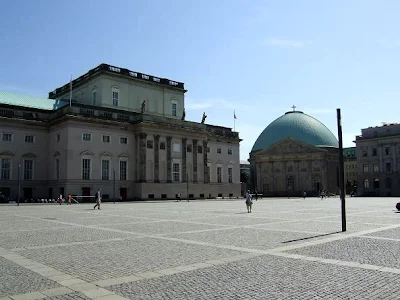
point(295, 153)
point(350, 169)
point(378, 156)
point(108, 139)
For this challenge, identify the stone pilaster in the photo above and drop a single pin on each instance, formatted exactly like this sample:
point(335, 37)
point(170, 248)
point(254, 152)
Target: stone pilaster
point(169, 159)
point(205, 161)
point(184, 165)
point(194, 160)
point(157, 158)
point(143, 158)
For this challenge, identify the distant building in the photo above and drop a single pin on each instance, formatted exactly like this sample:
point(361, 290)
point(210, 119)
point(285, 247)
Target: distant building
point(125, 133)
point(378, 160)
point(350, 169)
point(295, 153)
point(245, 175)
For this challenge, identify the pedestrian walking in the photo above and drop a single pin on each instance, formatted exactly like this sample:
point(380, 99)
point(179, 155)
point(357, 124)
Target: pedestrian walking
point(98, 199)
point(249, 201)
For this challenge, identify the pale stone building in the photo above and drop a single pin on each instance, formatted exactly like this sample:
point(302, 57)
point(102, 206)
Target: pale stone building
point(350, 169)
point(108, 139)
point(378, 160)
point(295, 153)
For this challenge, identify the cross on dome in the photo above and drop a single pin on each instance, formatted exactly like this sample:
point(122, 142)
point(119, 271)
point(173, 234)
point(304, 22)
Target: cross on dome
point(294, 107)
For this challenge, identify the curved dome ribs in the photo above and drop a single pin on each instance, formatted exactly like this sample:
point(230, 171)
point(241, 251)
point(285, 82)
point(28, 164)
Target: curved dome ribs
point(297, 125)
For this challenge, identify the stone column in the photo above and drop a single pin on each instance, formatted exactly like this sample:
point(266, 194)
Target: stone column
point(194, 160)
point(157, 158)
point(184, 168)
point(205, 161)
point(142, 154)
point(169, 160)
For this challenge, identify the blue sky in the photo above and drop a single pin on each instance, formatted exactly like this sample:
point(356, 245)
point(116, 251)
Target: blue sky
point(257, 57)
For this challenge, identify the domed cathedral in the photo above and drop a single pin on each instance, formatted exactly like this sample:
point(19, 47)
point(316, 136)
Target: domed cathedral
point(295, 153)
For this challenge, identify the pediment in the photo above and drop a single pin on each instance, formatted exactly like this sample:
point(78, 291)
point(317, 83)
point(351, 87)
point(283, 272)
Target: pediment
point(57, 153)
point(29, 154)
point(123, 155)
point(290, 146)
point(6, 153)
point(231, 162)
point(86, 152)
point(106, 153)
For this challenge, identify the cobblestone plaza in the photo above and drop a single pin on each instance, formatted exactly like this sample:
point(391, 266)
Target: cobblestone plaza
point(285, 249)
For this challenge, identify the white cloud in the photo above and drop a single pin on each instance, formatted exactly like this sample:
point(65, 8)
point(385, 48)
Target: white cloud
point(286, 43)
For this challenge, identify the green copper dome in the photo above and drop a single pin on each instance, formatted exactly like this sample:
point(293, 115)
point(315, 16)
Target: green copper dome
point(297, 125)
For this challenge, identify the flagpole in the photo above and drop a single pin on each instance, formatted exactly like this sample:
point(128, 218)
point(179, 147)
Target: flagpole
point(70, 92)
point(234, 120)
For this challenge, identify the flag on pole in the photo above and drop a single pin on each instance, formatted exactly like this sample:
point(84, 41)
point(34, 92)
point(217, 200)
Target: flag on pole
point(234, 115)
point(70, 91)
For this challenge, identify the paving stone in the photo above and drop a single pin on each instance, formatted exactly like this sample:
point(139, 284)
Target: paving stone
point(10, 240)
point(71, 296)
point(124, 258)
point(15, 280)
point(364, 251)
point(267, 277)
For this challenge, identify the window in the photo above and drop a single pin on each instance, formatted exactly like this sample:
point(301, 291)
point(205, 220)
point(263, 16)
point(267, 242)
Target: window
point(86, 166)
point(94, 97)
point(208, 173)
point(175, 172)
point(376, 168)
point(150, 144)
point(376, 183)
point(364, 152)
point(57, 168)
point(105, 169)
point(230, 151)
point(208, 149)
point(115, 96)
point(106, 139)
point(374, 152)
point(387, 150)
point(189, 148)
point(176, 148)
point(219, 174)
point(123, 166)
point(28, 169)
point(5, 169)
point(7, 137)
point(86, 136)
point(123, 140)
point(230, 175)
point(29, 139)
point(58, 137)
point(162, 145)
point(174, 108)
point(366, 184)
point(388, 167)
point(219, 150)
point(365, 168)
point(199, 149)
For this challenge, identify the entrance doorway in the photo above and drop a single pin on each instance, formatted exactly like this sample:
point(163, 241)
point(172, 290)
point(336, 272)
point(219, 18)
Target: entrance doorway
point(50, 193)
point(317, 186)
point(123, 193)
point(86, 191)
point(28, 193)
